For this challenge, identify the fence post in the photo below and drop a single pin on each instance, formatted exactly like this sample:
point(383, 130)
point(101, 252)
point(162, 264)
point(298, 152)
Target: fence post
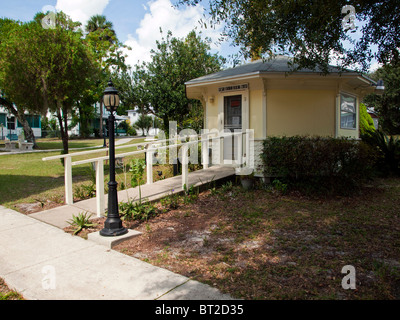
point(250, 148)
point(221, 149)
point(149, 165)
point(204, 151)
point(69, 196)
point(239, 155)
point(185, 166)
point(100, 188)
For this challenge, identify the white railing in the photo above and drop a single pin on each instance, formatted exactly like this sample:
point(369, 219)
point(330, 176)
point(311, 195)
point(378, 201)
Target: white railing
point(151, 147)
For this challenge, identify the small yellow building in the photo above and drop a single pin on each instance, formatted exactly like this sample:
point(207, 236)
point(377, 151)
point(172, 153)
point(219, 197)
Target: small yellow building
point(266, 97)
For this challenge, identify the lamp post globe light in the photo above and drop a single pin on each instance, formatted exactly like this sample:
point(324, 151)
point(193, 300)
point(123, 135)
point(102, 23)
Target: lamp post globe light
point(113, 224)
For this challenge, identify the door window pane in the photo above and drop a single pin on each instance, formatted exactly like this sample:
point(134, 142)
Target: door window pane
point(233, 112)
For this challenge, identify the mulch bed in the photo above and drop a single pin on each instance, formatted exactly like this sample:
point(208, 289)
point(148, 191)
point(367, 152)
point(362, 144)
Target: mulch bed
point(264, 245)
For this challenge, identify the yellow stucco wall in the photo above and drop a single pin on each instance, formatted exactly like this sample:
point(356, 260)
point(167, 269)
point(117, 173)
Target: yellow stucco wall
point(280, 107)
point(256, 113)
point(211, 114)
point(301, 112)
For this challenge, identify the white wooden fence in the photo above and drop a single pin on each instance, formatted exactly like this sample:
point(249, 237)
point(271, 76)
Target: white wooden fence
point(217, 143)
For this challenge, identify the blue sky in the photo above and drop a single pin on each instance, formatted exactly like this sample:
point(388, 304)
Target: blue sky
point(136, 23)
point(124, 14)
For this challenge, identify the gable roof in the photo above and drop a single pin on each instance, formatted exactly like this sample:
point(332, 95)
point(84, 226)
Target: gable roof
point(279, 64)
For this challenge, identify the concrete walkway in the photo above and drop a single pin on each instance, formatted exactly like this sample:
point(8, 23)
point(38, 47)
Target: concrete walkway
point(41, 261)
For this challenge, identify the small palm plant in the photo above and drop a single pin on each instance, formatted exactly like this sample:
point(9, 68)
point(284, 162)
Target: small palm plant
point(137, 168)
point(81, 221)
point(388, 148)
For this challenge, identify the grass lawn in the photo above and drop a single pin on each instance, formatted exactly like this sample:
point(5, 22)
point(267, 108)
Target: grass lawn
point(263, 245)
point(256, 244)
point(25, 178)
point(55, 143)
point(7, 294)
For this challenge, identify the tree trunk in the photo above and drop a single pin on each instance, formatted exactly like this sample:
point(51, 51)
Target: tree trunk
point(65, 140)
point(29, 135)
point(83, 125)
point(101, 118)
point(62, 121)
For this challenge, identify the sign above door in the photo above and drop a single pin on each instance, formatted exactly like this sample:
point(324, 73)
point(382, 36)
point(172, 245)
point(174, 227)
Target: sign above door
point(234, 88)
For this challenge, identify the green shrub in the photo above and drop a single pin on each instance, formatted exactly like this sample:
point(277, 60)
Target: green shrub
point(171, 202)
point(81, 221)
point(85, 191)
point(366, 124)
point(317, 164)
point(137, 168)
point(388, 151)
point(132, 210)
point(279, 186)
point(190, 194)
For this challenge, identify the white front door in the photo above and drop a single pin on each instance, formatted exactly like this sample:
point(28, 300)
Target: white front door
point(232, 123)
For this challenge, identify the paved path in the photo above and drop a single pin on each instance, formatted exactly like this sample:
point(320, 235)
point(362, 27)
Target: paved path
point(40, 261)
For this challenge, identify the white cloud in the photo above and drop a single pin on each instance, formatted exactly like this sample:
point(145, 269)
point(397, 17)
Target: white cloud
point(162, 14)
point(375, 66)
point(81, 10)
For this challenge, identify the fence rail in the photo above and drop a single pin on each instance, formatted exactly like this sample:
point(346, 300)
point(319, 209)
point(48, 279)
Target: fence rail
point(150, 148)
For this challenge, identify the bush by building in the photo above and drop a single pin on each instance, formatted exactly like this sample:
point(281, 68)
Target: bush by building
point(318, 164)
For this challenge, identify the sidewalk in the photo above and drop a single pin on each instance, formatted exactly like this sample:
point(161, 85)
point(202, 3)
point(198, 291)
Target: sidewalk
point(41, 261)
point(36, 253)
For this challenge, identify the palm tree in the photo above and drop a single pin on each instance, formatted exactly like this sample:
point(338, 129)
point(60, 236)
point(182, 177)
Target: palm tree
point(104, 28)
point(144, 123)
point(97, 22)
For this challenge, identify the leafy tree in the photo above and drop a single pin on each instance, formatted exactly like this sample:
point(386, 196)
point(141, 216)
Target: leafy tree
point(144, 123)
point(161, 82)
point(6, 25)
point(366, 122)
point(387, 106)
point(46, 69)
point(124, 82)
point(100, 22)
point(102, 39)
point(310, 31)
point(194, 119)
point(50, 126)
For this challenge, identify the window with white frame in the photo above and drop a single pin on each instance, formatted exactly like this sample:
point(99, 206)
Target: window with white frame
point(11, 123)
point(348, 111)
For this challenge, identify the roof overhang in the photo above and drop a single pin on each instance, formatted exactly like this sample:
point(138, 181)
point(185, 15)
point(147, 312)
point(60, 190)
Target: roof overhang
point(354, 79)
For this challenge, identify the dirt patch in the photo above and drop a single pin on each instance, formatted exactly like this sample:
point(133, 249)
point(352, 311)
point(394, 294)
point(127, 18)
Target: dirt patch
point(28, 208)
point(182, 231)
point(263, 245)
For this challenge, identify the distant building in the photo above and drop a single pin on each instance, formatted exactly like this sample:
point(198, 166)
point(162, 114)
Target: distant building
point(95, 122)
point(11, 128)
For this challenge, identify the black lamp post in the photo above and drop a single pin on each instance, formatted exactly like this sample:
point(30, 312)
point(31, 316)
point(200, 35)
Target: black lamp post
point(113, 224)
point(104, 133)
